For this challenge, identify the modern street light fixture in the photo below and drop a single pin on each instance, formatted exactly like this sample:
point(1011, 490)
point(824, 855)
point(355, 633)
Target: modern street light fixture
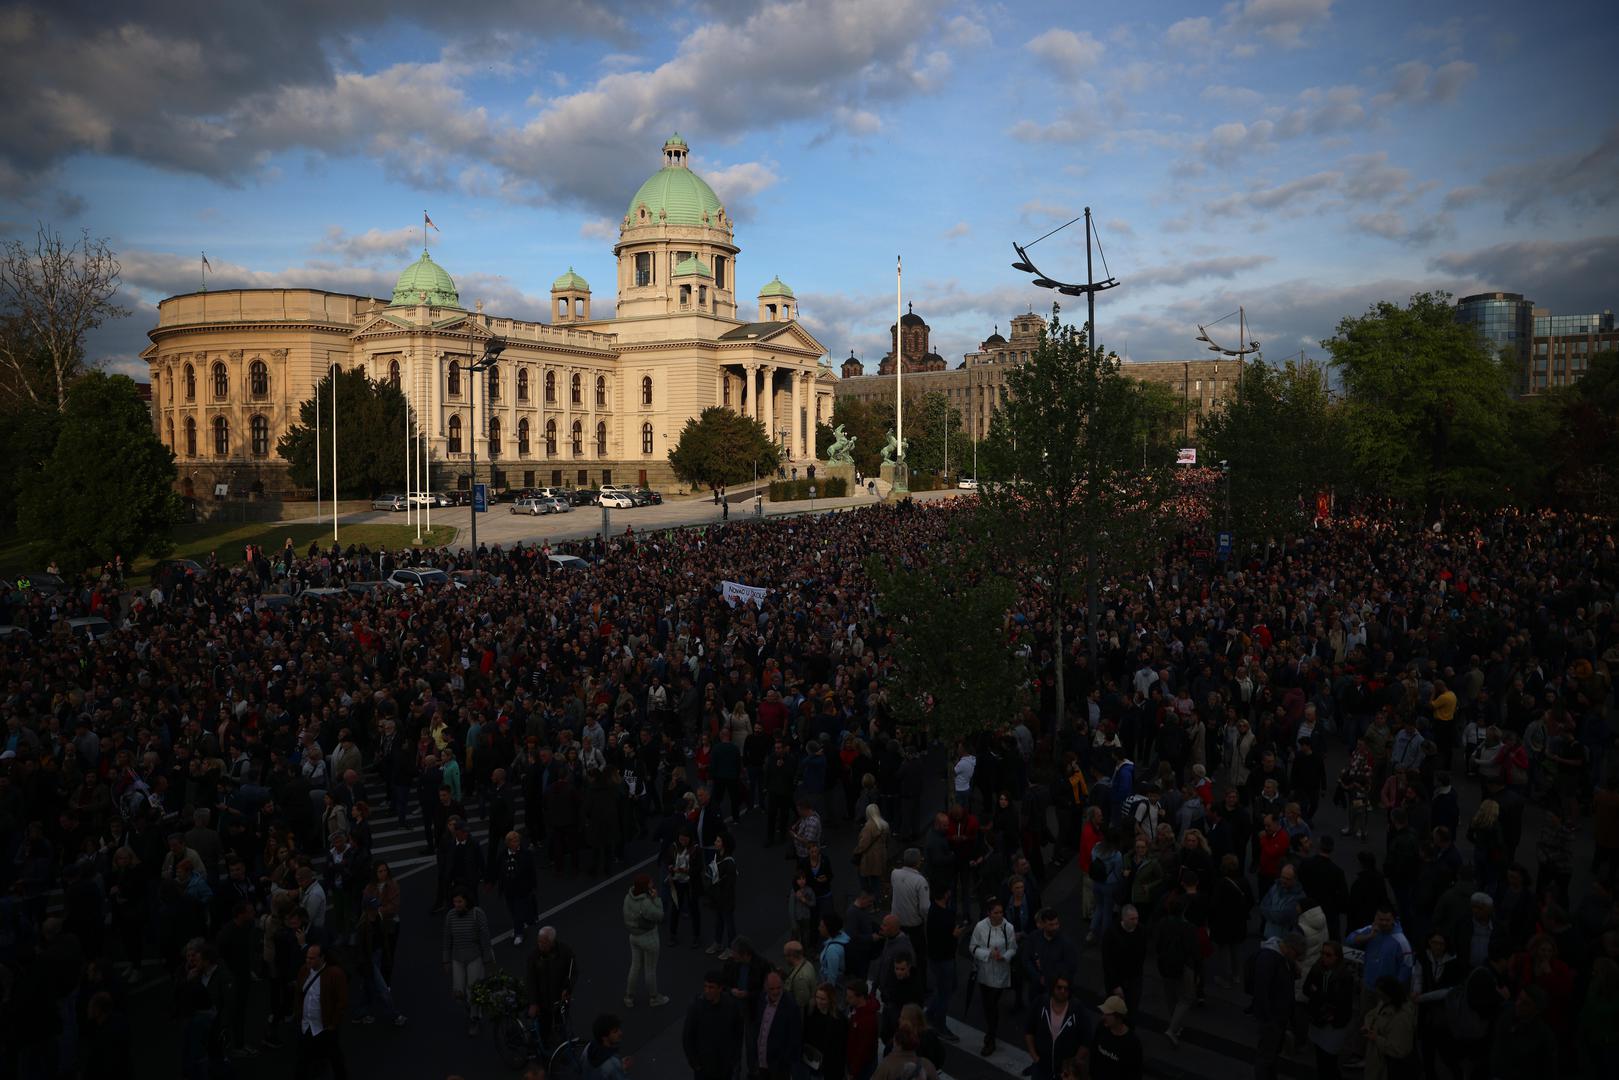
point(1244, 346)
point(1088, 289)
point(491, 353)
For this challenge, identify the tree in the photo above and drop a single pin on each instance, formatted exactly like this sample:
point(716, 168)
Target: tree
point(107, 487)
point(1072, 498)
point(953, 671)
point(370, 436)
point(1427, 403)
point(51, 295)
point(721, 447)
point(1577, 424)
point(925, 430)
point(1279, 441)
point(28, 435)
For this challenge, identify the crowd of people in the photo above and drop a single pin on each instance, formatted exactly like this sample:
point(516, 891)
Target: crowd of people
point(1303, 780)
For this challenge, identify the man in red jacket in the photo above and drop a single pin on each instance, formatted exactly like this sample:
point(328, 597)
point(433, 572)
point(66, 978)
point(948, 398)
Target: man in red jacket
point(860, 1049)
point(1274, 844)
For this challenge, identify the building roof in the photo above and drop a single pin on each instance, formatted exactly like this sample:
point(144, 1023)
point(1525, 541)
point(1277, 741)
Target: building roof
point(911, 318)
point(679, 194)
point(691, 264)
point(776, 287)
point(570, 281)
point(758, 330)
point(424, 276)
point(675, 140)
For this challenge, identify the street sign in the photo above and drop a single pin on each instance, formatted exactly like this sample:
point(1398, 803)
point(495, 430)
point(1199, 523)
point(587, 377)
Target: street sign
point(480, 498)
point(1223, 547)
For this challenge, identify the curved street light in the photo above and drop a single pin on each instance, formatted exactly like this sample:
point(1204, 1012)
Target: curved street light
point(1088, 289)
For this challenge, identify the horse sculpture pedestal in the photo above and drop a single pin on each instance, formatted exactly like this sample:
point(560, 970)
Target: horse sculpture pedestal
point(896, 474)
point(830, 470)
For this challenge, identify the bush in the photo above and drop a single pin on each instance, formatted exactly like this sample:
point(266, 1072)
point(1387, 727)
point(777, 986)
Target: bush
point(826, 487)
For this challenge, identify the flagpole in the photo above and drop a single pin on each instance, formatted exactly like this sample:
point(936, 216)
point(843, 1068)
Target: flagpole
point(334, 455)
point(405, 371)
point(317, 450)
point(899, 366)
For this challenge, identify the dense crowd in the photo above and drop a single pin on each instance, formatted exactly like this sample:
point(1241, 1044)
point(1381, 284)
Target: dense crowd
point(1305, 779)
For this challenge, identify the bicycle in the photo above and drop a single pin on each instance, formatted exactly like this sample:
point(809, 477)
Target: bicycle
point(517, 1035)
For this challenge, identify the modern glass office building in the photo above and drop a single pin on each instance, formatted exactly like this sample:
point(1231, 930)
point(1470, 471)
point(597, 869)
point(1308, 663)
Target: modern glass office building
point(1564, 345)
point(1506, 320)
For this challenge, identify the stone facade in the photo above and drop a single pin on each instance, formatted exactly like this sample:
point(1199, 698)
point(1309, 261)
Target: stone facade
point(913, 333)
point(574, 402)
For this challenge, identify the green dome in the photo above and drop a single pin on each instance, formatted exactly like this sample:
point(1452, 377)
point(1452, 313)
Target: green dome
point(570, 281)
point(676, 191)
point(692, 265)
point(426, 276)
point(776, 287)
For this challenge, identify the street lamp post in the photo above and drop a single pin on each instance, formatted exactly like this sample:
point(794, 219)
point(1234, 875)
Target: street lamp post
point(491, 353)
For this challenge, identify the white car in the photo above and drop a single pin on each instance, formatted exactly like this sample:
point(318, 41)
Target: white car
point(533, 506)
point(605, 488)
point(617, 500)
point(568, 562)
point(968, 484)
point(90, 628)
point(417, 579)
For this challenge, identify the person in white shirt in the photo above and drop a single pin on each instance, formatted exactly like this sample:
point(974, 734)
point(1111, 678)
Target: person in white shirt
point(994, 944)
point(966, 765)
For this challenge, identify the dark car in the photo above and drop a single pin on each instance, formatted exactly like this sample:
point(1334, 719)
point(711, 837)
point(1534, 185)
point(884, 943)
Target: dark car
point(459, 497)
point(584, 496)
point(641, 497)
point(364, 588)
point(43, 581)
point(651, 496)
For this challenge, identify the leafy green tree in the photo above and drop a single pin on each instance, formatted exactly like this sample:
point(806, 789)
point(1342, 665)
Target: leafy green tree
point(1072, 499)
point(370, 437)
point(27, 437)
point(107, 487)
point(824, 438)
point(954, 671)
point(869, 423)
point(1427, 404)
point(1279, 441)
point(926, 424)
point(1582, 458)
point(720, 447)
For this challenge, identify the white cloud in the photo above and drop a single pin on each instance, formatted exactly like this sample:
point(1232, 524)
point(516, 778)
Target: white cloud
point(1233, 96)
point(1225, 266)
point(1281, 22)
point(369, 245)
point(958, 230)
point(1578, 182)
point(737, 185)
point(1040, 210)
point(1065, 52)
point(1415, 83)
point(1193, 33)
point(598, 229)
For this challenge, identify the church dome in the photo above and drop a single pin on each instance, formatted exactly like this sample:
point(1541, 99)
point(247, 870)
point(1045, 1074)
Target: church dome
point(570, 282)
point(424, 276)
point(911, 318)
point(776, 287)
point(674, 191)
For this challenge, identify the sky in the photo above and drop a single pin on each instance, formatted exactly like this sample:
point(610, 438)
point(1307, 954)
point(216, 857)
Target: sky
point(1302, 158)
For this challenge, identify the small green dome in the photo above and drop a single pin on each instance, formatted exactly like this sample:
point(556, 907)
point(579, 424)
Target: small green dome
point(692, 265)
point(776, 287)
point(426, 276)
point(570, 282)
point(679, 194)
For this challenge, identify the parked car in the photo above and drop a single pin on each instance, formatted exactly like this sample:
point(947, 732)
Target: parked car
point(584, 496)
point(615, 487)
point(8, 632)
point(533, 506)
point(559, 504)
point(568, 562)
point(639, 497)
point(967, 484)
point(364, 588)
point(430, 498)
point(417, 579)
point(467, 578)
point(43, 581)
point(651, 496)
point(90, 628)
point(324, 595)
point(273, 602)
point(393, 503)
point(617, 500)
point(167, 572)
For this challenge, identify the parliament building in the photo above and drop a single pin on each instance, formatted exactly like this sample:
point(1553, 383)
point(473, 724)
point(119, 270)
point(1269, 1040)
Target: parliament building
point(576, 401)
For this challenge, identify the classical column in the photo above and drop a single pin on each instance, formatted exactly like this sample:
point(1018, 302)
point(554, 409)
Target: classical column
point(767, 399)
point(795, 450)
point(750, 396)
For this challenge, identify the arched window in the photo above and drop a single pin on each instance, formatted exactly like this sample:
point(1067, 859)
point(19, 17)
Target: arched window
point(522, 384)
point(494, 385)
point(258, 380)
point(575, 393)
point(221, 437)
point(393, 373)
point(191, 436)
point(550, 437)
point(260, 430)
point(522, 437)
point(170, 441)
point(191, 383)
point(494, 437)
point(221, 382)
point(601, 439)
point(578, 438)
point(550, 388)
point(601, 391)
point(455, 378)
point(646, 438)
point(646, 390)
point(455, 435)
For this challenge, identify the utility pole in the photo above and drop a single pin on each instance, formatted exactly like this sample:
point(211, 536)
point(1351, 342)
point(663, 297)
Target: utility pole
point(492, 349)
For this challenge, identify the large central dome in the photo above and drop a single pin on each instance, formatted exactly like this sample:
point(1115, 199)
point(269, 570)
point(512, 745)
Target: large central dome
point(676, 193)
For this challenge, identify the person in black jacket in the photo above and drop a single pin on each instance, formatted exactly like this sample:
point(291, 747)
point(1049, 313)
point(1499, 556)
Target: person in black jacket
point(1275, 968)
point(552, 975)
point(1124, 955)
point(512, 871)
point(1175, 951)
point(780, 1042)
point(1323, 880)
point(1330, 997)
point(826, 1032)
point(1073, 1030)
point(712, 1038)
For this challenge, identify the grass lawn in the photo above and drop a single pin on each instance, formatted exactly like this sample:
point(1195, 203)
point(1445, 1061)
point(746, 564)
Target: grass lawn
point(229, 538)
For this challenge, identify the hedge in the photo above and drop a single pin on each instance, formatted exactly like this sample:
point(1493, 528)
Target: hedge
point(826, 487)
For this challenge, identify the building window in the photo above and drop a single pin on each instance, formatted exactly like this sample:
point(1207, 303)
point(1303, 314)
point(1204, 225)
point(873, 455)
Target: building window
point(494, 437)
point(646, 390)
point(455, 435)
point(522, 437)
point(191, 437)
point(170, 442)
point(601, 391)
point(550, 388)
point(685, 297)
point(494, 385)
point(221, 382)
point(719, 271)
point(578, 439)
point(643, 268)
point(725, 389)
point(221, 437)
point(258, 380)
point(646, 438)
point(601, 438)
point(393, 373)
point(455, 378)
point(550, 438)
point(191, 383)
point(522, 384)
point(575, 389)
point(260, 430)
